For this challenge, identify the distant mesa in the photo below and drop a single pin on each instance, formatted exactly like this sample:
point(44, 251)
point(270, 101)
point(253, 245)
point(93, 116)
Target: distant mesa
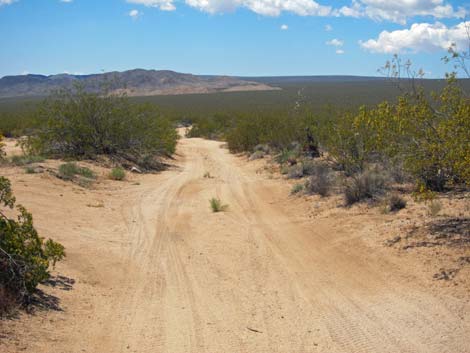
point(134, 82)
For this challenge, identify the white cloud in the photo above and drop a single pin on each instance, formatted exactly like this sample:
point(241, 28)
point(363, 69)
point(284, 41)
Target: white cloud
point(134, 14)
point(420, 37)
point(380, 10)
point(340, 51)
point(263, 7)
point(335, 42)
point(328, 28)
point(400, 10)
point(66, 1)
point(165, 5)
point(6, 2)
point(284, 27)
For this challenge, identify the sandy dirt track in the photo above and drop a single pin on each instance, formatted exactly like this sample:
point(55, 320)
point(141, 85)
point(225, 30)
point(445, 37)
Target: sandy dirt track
point(157, 271)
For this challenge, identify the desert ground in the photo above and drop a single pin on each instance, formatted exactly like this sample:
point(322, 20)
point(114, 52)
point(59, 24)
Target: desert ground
point(150, 268)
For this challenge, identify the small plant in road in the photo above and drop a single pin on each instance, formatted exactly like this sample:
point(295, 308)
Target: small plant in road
point(217, 206)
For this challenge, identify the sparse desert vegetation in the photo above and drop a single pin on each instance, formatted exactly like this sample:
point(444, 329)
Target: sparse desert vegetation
point(118, 174)
point(217, 205)
point(381, 186)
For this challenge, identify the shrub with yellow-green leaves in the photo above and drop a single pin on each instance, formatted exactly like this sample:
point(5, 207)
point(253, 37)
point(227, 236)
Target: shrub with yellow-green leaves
point(25, 257)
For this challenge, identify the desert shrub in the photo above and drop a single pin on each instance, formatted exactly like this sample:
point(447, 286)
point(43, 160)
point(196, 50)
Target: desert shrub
point(25, 257)
point(320, 181)
point(217, 205)
point(263, 148)
point(16, 124)
point(30, 170)
point(68, 171)
point(296, 189)
point(396, 203)
point(26, 159)
point(366, 185)
point(275, 129)
point(211, 127)
point(288, 155)
point(84, 125)
point(309, 167)
point(257, 155)
point(295, 172)
point(2, 148)
point(117, 173)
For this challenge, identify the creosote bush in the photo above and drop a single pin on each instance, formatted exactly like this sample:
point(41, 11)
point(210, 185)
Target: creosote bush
point(68, 171)
point(118, 174)
point(83, 125)
point(25, 257)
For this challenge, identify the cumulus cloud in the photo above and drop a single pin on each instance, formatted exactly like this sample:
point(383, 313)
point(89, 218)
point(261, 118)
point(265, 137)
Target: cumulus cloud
point(420, 37)
point(328, 28)
point(380, 10)
point(134, 14)
point(263, 7)
point(284, 27)
point(335, 42)
point(340, 51)
point(6, 2)
point(400, 10)
point(165, 5)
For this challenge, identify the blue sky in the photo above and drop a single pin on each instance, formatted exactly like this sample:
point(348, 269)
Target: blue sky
point(232, 37)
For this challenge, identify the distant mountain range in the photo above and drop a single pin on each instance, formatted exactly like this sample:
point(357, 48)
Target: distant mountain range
point(153, 83)
point(134, 82)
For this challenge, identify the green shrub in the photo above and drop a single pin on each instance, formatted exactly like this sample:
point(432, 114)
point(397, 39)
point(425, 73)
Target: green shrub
point(288, 156)
point(396, 203)
point(26, 159)
point(117, 174)
point(217, 206)
point(320, 181)
point(68, 171)
point(25, 257)
point(366, 185)
point(17, 123)
point(296, 189)
point(84, 125)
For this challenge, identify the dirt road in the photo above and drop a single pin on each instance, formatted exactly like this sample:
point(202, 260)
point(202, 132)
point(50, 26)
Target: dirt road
point(158, 272)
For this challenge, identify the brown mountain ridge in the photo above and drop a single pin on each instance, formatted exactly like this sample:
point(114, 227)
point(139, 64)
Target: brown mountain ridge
point(136, 82)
